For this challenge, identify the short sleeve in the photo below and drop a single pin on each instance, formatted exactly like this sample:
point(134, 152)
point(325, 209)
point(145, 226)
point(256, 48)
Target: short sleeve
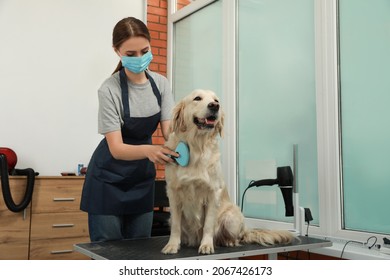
point(167, 100)
point(109, 116)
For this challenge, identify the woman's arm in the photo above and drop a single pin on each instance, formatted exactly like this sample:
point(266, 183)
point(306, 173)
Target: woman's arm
point(165, 128)
point(122, 151)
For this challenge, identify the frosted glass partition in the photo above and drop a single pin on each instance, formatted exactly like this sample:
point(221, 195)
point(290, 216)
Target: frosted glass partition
point(197, 61)
point(277, 105)
point(365, 98)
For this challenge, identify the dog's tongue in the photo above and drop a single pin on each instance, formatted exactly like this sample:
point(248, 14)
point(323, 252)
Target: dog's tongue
point(209, 121)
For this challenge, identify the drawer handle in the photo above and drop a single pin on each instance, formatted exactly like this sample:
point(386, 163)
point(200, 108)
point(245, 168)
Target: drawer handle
point(61, 252)
point(63, 199)
point(62, 225)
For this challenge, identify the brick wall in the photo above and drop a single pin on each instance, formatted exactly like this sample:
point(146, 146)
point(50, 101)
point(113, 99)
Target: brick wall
point(157, 18)
point(157, 24)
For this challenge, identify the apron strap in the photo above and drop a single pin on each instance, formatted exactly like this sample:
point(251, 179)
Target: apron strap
point(125, 95)
point(154, 87)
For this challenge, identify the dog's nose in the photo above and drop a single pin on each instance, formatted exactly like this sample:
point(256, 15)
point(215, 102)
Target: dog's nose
point(213, 106)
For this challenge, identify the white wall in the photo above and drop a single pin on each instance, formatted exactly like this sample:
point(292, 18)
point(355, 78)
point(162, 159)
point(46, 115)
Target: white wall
point(54, 54)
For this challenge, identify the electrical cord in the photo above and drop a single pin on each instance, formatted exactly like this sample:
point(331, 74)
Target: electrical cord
point(345, 245)
point(307, 229)
point(358, 242)
point(307, 234)
point(376, 239)
point(243, 195)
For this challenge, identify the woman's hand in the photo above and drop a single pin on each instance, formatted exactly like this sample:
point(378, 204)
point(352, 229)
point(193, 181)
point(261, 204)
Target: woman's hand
point(122, 151)
point(160, 154)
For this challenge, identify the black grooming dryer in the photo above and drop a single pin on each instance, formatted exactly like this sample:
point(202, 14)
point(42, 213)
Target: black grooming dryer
point(8, 161)
point(284, 180)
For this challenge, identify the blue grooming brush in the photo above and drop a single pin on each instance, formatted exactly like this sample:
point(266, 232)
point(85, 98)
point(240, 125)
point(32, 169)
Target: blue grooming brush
point(184, 154)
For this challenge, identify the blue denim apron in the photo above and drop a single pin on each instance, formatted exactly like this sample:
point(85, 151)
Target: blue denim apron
point(119, 187)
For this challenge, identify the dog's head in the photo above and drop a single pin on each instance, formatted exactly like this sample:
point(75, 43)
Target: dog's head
point(200, 111)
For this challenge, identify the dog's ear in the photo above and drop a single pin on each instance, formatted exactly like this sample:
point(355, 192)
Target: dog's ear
point(178, 124)
point(220, 125)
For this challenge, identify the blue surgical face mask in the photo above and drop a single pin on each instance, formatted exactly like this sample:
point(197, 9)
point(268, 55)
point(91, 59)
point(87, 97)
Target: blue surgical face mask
point(137, 64)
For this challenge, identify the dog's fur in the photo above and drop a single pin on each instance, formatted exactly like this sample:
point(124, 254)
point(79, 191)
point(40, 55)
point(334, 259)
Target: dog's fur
point(201, 211)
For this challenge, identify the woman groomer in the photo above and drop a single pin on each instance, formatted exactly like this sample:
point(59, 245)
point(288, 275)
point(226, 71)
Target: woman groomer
point(119, 184)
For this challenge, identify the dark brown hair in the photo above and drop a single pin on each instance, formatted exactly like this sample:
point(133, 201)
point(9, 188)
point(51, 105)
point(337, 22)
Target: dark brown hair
point(125, 29)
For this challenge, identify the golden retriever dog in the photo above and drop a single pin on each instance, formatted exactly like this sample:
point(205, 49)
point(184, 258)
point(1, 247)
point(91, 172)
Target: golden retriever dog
point(202, 214)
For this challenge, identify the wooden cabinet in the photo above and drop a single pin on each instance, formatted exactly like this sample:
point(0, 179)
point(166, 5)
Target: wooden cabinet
point(56, 221)
point(14, 227)
point(49, 226)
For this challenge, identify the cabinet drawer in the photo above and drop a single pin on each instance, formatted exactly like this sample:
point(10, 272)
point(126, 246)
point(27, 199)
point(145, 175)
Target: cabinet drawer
point(57, 196)
point(14, 235)
point(14, 227)
point(59, 225)
point(56, 249)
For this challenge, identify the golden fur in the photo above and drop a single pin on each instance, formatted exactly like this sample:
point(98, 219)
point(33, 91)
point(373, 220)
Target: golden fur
point(202, 214)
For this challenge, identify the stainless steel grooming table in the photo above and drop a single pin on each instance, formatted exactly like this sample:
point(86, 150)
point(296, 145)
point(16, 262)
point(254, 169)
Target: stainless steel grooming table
point(150, 249)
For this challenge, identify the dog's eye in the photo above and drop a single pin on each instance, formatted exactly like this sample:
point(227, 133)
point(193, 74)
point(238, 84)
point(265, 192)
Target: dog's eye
point(198, 98)
point(216, 100)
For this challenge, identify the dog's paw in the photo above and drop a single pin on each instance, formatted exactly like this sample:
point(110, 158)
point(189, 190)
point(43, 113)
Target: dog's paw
point(206, 249)
point(170, 249)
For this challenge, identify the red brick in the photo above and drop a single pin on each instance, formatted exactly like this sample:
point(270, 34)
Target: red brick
point(160, 166)
point(155, 3)
point(160, 174)
point(154, 34)
point(163, 20)
point(157, 138)
point(159, 43)
point(159, 59)
point(157, 11)
point(162, 51)
point(162, 68)
point(157, 27)
point(157, 133)
point(153, 67)
point(153, 18)
point(156, 51)
point(163, 36)
point(158, 141)
point(163, 4)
